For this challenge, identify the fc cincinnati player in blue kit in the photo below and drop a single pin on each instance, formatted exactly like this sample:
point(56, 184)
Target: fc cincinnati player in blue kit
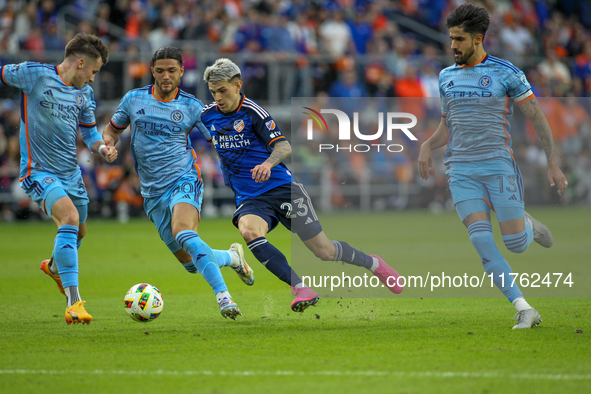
point(56, 101)
point(161, 116)
point(482, 172)
point(252, 149)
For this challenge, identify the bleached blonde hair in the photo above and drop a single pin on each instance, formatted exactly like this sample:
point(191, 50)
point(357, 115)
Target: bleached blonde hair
point(223, 70)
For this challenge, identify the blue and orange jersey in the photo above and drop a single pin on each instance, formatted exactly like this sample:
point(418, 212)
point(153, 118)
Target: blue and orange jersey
point(477, 103)
point(244, 138)
point(52, 111)
point(160, 143)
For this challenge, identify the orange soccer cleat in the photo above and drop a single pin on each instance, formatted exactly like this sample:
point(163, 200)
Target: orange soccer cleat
point(58, 281)
point(77, 314)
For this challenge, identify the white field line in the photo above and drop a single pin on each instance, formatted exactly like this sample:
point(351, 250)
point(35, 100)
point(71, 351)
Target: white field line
point(423, 374)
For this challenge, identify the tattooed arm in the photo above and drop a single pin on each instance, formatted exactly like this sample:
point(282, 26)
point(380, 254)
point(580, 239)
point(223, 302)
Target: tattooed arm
point(262, 172)
point(532, 110)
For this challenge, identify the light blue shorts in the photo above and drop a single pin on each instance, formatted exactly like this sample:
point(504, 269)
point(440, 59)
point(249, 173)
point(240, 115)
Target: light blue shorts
point(487, 184)
point(45, 189)
point(188, 189)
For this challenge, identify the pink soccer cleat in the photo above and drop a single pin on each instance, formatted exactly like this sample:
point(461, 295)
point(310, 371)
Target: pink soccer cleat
point(305, 297)
point(387, 275)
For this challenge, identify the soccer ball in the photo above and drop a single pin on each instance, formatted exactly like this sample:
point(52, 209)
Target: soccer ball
point(143, 302)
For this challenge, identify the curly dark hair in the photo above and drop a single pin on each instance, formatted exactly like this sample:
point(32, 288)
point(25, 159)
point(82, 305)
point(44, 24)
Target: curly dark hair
point(472, 19)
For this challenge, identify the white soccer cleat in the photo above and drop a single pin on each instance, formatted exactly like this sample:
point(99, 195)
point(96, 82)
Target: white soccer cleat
point(244, 271)
point(527, 318)
point(542, 234)
point(228, 308)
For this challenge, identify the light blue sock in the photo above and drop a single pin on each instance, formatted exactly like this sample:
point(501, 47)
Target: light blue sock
point(223, 257)
point(493, 261)
point(190, 267)
point(203, 258)
point(529, 231)
point(53, 257)
point(65, 254)
point(517, 243)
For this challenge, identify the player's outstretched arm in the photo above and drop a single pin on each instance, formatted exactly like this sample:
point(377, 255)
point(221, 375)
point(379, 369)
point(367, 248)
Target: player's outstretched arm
point(532, 110)
point(437, 140)
point(262, 172)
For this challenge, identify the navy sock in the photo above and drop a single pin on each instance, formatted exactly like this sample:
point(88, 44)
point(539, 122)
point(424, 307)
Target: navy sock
point(350, 255)
point(273, 260)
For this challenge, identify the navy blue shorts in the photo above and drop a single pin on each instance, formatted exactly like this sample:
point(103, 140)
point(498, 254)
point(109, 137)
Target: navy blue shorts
point(288, 204)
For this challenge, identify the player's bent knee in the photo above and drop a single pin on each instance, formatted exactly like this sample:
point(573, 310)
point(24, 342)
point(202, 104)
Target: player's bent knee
point(517, 243)
point(176, 229)
point(249, 234)
point(70, 219)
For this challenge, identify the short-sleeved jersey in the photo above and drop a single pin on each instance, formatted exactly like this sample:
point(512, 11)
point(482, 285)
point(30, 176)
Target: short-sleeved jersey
point(477, 103)
point(244, 138)
point(52, 111)
point(160, 143)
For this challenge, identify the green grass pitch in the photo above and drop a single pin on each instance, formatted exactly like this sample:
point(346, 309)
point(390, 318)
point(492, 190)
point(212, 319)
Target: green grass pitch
point(381, 345)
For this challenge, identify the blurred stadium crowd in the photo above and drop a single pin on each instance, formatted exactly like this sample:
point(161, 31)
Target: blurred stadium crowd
point(300, 48)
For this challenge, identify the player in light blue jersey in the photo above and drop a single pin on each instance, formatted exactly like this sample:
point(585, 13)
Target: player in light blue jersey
point(56, 101)
point(252, 149)
point(161, 116)
point(477, 95)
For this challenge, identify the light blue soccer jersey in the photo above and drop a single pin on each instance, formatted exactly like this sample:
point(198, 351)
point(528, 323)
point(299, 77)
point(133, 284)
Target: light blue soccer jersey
point(477, 102)
point(160, 143)
point(51, 113)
